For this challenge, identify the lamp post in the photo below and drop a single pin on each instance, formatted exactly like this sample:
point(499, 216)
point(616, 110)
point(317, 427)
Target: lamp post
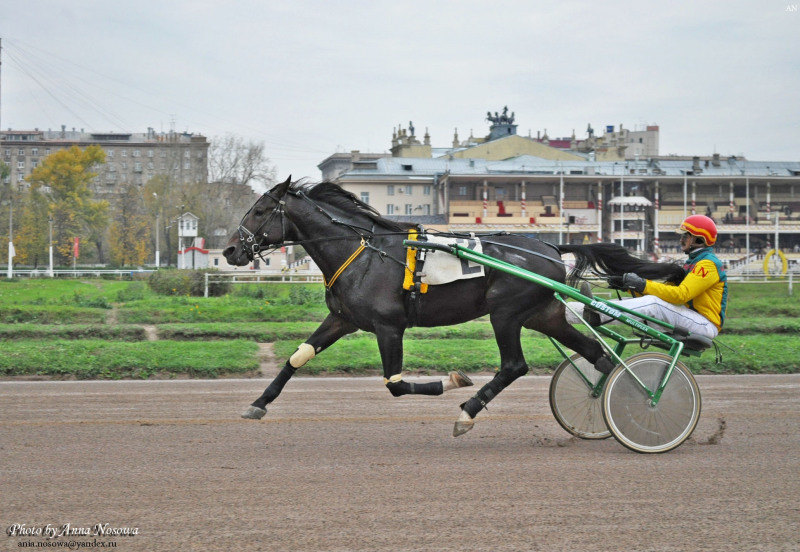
point(158, 217)
point(50, 251)
point(11, 251)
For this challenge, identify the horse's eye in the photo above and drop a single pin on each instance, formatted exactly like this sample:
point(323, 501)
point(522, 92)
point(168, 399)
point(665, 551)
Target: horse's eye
point(259, 212)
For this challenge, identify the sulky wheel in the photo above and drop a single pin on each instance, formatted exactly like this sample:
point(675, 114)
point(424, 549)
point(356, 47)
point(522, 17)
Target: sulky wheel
point(575, 402)
point(630, 415)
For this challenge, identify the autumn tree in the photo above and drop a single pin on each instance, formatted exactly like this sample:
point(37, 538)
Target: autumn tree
point(129, 235)
point(32, 240)
point(64, 178)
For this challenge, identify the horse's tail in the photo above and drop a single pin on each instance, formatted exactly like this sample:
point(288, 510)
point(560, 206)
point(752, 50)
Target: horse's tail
point(608, 259)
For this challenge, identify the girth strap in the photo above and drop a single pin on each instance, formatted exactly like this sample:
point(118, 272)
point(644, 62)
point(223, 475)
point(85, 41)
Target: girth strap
point(342, 268)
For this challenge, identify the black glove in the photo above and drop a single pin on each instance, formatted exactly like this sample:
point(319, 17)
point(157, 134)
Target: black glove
point(615, 282)
point(633, 281)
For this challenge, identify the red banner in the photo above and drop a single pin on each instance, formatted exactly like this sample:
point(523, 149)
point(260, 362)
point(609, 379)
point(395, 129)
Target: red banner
point(75, 242)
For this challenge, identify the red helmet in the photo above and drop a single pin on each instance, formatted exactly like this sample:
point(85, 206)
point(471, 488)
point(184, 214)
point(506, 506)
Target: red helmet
point(700, 226)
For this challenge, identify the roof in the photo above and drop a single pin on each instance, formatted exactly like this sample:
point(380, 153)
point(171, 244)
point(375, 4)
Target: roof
point(528, 164)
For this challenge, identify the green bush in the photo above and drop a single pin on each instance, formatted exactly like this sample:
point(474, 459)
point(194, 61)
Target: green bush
point(170, 282)
point(82, 300)
point(185, 282)
point(198, 284)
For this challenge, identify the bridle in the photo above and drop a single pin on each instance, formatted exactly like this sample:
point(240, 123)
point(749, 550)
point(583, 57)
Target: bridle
point(251, 241)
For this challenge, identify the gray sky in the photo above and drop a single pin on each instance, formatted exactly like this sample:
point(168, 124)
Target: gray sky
point(311, 78)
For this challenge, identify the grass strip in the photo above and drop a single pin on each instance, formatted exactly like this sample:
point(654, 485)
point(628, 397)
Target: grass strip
point(98, 359)
point(72, 331)
point(51, 314)
point(752, 354)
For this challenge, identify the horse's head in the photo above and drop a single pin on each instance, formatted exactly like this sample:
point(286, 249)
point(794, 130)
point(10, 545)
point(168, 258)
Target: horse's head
point(262, 226)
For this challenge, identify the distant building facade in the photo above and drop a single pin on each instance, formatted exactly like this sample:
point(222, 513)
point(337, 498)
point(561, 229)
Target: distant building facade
point(131, 158)
point(611, 188)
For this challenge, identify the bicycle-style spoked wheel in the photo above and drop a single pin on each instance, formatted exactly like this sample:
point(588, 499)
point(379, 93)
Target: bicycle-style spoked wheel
point(575, 407)
point(630, 415)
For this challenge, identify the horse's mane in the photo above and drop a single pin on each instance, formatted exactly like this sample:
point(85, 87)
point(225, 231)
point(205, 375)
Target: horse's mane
point(336, 196)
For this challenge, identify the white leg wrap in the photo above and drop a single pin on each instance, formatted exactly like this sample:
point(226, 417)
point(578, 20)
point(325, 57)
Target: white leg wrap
point(303, 354)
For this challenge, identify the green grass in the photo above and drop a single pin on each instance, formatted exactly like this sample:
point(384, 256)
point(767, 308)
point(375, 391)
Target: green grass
point(100, 359)
point(38, 317)
point(72, 331)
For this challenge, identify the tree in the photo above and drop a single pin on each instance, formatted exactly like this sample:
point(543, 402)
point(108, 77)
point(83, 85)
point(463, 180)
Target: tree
point(32, 238)
point(64, 179)
point(129, 235)
point(231, 160)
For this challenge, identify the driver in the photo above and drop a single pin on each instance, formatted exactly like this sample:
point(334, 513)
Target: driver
point(697, 304)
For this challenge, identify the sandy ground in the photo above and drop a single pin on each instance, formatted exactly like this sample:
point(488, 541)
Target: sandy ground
point(338, 464)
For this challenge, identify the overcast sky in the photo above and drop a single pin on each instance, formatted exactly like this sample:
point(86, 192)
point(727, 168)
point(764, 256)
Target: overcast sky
point(312, 78)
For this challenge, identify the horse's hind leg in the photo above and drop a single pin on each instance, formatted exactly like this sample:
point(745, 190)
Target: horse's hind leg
point(556, 326)
point(331, 329)
point(512, 366)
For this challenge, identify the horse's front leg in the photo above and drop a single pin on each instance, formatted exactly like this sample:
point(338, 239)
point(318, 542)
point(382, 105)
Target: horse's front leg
point(390, 344)
point(331, 329)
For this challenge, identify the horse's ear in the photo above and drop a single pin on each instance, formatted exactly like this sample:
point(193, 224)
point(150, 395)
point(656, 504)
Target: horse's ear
point(281, 189)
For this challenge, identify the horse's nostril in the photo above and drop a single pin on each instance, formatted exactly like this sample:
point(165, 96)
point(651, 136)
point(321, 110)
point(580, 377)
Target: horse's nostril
point(228, 251)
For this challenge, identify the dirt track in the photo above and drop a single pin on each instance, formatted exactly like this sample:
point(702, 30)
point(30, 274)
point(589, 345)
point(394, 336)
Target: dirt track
point(338, 464)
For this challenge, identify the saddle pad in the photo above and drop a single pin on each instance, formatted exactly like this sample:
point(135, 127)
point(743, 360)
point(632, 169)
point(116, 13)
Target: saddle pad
point(443, 268)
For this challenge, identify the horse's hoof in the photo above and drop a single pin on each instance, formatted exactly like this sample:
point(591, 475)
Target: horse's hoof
point(463, 424)
point(459, 379)
point(254, 413)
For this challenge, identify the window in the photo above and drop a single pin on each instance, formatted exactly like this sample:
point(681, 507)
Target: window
point(35, 151)
point(390, 209)
point(163, 153)
point(462, 190)
point(124, 166)
point(426, 190)
point(35, 163)
point(186, 154)
point(21, 164)
point(409, 209)
point(136, 153)
point(390, 189)
point(216, 261)
point(8, 152)
point(110, 153)
point(365, 197)
point(20, 177)
point(426, 209)
point(112, 167)
point(186, 164)
point(124, 153)
point(137, 167)
point(47, 151)
point(149, 153)
point(21, 152)
point(150, 165)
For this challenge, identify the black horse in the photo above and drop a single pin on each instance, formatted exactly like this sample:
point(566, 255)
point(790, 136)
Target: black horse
point(362, 258)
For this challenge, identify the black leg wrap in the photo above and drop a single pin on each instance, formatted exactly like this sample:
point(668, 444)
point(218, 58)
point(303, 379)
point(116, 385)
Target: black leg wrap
point(401, 387)
point(604, 365)
point(501, 380)
point(276, 386)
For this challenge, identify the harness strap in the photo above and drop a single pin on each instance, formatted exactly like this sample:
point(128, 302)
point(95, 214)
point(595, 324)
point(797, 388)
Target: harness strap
point(342, 268)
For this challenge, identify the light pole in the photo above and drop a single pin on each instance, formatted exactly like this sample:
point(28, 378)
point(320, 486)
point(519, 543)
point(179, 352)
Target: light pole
point(50, 222)
point(158, 221)
point(11, 251)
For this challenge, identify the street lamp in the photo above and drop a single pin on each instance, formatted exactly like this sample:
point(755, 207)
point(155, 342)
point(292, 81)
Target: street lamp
point(158, 215)
point(11, 251)
point(50, 222)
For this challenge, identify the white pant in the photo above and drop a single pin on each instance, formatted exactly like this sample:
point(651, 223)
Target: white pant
point(650, 305)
